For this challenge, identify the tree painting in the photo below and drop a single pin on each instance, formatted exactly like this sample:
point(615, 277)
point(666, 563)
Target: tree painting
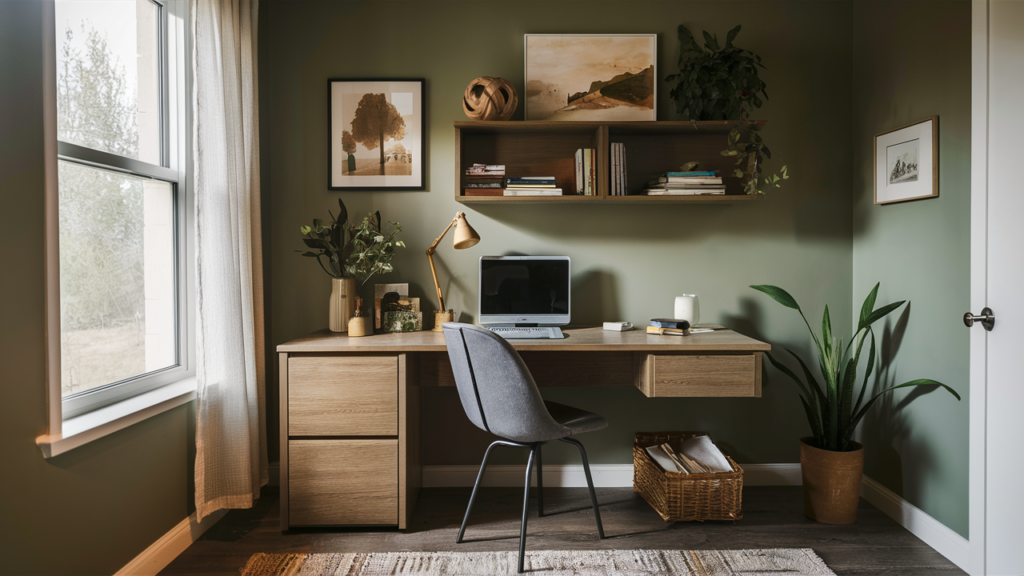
point(377, 121)
point(348, 143)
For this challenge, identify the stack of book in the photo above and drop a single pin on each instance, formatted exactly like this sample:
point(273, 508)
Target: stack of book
point(686, 184)
point(485, 180)
point(532, 186)
point(586, 172)
point(669, 326)
point(618, 169)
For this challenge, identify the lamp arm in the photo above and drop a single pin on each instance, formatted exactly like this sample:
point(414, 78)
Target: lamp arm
point(437, 286)
point(433, 247)
point(430, 258)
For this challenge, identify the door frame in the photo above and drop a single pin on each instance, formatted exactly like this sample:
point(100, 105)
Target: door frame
point(979, 283)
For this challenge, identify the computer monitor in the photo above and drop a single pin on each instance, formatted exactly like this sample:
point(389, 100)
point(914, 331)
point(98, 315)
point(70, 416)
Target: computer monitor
point(518, 290)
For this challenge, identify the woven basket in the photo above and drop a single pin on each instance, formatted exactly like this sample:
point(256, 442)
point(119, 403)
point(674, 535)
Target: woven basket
point(684, 497)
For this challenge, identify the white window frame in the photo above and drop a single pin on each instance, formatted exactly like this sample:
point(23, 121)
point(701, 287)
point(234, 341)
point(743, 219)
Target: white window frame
point(94, 413)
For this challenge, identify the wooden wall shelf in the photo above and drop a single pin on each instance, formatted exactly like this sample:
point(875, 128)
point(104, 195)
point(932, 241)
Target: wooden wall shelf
point(543, 148)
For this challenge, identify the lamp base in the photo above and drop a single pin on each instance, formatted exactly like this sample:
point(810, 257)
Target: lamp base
point(441, 318)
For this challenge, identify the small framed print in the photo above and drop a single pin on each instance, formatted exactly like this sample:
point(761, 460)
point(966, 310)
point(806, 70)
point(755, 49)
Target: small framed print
point(907, 162)
point(375, 131)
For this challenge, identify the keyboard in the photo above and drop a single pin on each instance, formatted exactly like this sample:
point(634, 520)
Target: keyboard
point(514, 333)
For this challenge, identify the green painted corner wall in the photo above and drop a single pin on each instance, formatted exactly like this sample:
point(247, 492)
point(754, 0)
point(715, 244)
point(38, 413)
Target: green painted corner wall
point(628, 261)
point(92, 510)
point(910, 63)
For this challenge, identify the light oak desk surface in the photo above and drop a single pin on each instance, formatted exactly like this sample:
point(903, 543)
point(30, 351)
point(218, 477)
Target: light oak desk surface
point(350, 407)
point(576, 340)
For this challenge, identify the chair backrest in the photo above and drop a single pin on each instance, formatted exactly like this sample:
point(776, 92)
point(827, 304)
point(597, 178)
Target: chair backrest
point(495, 386)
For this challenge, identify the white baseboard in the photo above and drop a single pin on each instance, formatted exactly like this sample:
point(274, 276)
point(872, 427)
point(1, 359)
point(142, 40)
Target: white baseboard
point(945, 541)
point(162, 552)
point(605, 475)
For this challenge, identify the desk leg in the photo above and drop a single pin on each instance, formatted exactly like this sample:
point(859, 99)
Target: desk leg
point(409, 463)
point(282, 396)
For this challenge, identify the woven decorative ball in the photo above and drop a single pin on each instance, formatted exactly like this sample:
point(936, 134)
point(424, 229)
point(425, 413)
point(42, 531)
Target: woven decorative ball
point(490, 99)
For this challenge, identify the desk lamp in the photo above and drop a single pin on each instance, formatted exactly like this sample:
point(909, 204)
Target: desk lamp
point(465, 237)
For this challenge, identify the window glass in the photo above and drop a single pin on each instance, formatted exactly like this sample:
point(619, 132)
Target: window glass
point(108, 87)
point(117, 277)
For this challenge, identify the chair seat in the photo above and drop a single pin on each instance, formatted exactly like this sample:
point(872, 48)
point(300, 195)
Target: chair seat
point(579, 421)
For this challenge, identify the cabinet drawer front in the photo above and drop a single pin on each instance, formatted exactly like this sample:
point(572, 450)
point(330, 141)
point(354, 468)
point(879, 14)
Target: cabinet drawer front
point(337, 482)
point(343, 396)
point(704, 376)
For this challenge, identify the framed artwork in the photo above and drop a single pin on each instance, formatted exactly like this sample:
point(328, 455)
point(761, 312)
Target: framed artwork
point(591, 77)
point(375, 131)
point(907, 162)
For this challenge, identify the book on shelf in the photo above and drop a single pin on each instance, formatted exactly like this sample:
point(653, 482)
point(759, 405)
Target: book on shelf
point(692, 173)
point(486, 170)
point(586, 171)
point(689, 181)
point(618, 172)
point(532, 192)
point(579, 172)
point(500, 174)
point(484, 192)
point(667, 192)
point(495, 184)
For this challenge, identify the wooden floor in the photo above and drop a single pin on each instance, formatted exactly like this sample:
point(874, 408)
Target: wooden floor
point(773, 518)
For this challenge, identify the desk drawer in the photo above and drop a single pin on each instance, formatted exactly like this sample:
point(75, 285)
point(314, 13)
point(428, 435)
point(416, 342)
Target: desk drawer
point(336, 395)
point(712, 376)
point(335, 482)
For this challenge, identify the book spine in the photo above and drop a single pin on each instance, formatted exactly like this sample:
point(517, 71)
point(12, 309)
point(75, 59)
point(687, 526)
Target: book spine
point(593, 171)
point(586, 172)
point(624, 179)
point(579, 172)
point(484, 192)
point(616, 168)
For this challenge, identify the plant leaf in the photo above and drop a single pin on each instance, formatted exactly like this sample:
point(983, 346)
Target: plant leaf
point(880, 313)
point(918, 382)
point(732, 36)
point(780, 295)
point(868, 307)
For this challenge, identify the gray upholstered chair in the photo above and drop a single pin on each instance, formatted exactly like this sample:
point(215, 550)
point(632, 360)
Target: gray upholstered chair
point(500, 396)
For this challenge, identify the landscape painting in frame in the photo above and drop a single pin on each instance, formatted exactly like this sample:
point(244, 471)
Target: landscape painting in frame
point(591, 77)
point(376, 134)
point(907, 161)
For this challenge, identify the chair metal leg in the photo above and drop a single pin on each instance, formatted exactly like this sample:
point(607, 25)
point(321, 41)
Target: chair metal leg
point(476, 488)
point(590, 482)
point(540, 484)
point(526, 506)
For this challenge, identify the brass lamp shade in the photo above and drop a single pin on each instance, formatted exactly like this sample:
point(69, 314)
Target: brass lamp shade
point(465, 235)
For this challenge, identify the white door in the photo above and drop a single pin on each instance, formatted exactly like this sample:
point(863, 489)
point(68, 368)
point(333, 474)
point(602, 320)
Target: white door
point(997, 282)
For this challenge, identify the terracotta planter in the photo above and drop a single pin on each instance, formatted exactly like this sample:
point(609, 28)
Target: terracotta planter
point(831, 482)
point(343, 303)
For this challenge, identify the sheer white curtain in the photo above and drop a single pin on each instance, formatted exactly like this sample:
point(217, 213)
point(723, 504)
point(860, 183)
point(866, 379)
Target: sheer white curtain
point(231, 436)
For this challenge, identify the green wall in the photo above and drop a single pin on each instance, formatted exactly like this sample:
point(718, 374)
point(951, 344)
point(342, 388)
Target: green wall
point(92, 510)
point(628, 261)
point(909, 64)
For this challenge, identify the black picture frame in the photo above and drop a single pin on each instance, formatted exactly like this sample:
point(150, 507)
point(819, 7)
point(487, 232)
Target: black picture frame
point(332, 138)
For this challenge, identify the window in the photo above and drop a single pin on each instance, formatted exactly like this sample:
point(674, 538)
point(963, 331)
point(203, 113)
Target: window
point(123, 210)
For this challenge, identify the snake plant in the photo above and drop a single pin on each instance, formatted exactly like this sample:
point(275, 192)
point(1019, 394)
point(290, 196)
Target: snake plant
point(831, 410)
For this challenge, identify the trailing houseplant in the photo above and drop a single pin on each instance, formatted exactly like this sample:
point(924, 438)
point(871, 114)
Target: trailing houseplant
point(831, 461)
point(349, 253)
point(718, 82)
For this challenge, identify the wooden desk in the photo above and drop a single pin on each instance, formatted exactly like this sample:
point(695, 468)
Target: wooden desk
point(350, 407)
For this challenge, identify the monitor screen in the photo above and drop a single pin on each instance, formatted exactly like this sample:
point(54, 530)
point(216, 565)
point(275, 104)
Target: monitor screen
point(524, 289)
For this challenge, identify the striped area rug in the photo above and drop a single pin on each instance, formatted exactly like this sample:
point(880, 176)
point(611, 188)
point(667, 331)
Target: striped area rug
point(767, 562)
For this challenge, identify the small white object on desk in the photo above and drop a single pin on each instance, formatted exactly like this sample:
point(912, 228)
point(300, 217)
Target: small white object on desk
point(688, 308)
point(618, 326)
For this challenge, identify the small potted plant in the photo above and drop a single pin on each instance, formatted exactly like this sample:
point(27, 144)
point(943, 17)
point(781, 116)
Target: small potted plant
point(718, 82)
point(347, 254)
point(832, 463)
